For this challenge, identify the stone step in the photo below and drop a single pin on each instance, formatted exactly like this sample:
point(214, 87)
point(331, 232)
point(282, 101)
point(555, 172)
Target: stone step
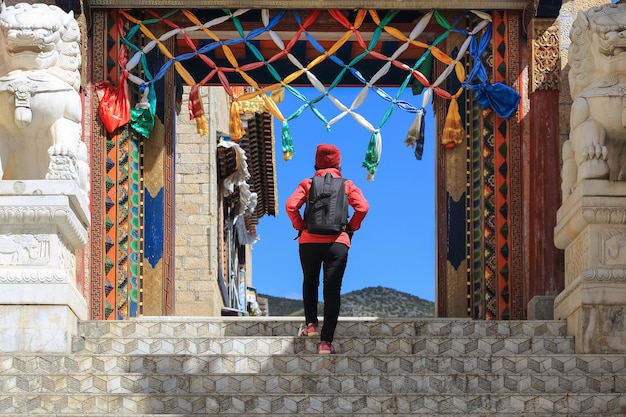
point(194, 327)
point(303, 364)
point(423, 345)
point(238, 366)
point(306, 404)
point(516, 414)
point(257, 384)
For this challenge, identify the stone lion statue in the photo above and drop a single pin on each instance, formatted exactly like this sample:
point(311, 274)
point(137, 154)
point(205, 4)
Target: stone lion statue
point(40, 121)
point(596, 148)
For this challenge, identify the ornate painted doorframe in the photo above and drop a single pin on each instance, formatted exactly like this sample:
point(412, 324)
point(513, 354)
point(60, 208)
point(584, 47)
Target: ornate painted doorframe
point(479, 199)
point(130, 201)
point(483, 277)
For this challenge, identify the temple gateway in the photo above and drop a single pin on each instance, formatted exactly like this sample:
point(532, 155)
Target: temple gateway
point(138, 145)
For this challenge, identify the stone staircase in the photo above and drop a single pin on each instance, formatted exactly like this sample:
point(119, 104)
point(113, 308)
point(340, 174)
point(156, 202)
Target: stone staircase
point(234, 366)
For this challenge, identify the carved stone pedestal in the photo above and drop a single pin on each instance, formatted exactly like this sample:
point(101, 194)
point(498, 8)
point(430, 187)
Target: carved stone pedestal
point(42, 224)
point(591, 227)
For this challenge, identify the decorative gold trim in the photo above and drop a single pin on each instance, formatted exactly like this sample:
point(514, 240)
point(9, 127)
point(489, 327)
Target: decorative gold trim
point(518, 301)
point(546, 56)
point(310, 4)
point(98, 136)
point(169, 203)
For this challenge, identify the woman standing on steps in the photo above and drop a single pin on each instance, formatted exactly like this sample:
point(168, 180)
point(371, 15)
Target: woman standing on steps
point(327, 250)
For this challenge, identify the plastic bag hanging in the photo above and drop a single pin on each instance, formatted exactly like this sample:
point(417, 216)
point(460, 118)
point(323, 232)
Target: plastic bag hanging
point(114, 106)
point(453, 132)
point(415, 135)
point(499, 97)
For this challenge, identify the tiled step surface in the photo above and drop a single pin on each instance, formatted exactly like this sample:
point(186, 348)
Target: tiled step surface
point(194, 327)
point(257, 366)
point(275, 336)
point(305, 364)
point(181, 384)
point(326, 415)
point(277, 404)
point(313, 364)
point(273, 345)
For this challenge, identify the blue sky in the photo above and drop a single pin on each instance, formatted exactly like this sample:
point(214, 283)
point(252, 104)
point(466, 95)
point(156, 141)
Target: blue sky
point(395, 247)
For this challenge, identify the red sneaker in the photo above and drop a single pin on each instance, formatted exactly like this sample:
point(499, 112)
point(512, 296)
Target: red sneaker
point(309, 330)
point(326, 348)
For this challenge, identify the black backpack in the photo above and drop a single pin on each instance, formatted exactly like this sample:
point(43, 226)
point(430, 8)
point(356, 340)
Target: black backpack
point(326, 211)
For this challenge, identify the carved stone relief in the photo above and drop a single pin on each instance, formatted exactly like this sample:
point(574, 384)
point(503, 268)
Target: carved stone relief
point(59, 216)
point(577, 258)
point(546, 56)
point(33, 276)
point(604, 215)
point(66, 258)
point(613, 244)
point(24, 249)
point(604, 274)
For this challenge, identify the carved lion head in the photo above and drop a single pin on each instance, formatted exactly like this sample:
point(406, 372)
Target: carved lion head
point(40, 36)
point(598, 47)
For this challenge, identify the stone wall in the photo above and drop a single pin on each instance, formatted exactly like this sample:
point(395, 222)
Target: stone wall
point(196, 287)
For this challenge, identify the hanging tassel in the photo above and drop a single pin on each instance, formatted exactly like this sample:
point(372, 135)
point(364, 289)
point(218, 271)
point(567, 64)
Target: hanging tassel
point(287, 142)
point(142, 115)
point(415, 136)
point(201, 125)
point(372, 156)
point(278, 96)
point(196, 111)
point(235, 125)
point(453, 132)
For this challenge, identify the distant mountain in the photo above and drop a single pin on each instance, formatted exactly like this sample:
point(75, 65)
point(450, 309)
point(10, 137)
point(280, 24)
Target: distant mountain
point(368, 302)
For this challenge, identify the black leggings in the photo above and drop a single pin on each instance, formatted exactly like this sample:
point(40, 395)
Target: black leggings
point(334, 257)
